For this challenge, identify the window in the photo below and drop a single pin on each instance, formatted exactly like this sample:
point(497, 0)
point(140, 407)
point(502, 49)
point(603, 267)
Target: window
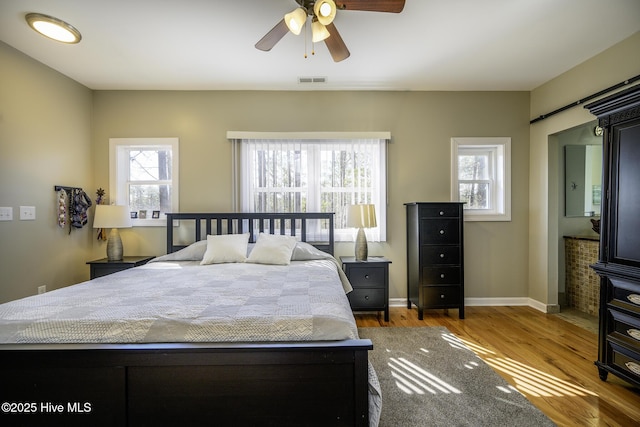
point(314, 175)
point(144, 176)
point(480, 177)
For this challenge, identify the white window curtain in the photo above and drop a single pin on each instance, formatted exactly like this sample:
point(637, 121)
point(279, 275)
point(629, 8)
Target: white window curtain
point(313, 175)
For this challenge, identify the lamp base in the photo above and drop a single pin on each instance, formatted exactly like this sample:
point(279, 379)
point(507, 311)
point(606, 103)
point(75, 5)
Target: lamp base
point(362, 251)
point(114, 246)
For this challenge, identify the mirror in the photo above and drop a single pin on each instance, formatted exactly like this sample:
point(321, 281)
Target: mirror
point(583, 179)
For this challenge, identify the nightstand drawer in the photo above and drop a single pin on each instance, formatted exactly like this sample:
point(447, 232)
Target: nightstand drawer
point(367, 276)
point(104, 267)
point(440, 296)
point(367, 298)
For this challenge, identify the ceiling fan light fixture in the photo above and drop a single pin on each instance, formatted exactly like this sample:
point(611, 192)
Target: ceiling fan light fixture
point(53, 28)
point(318, 31)
point(325, 11)
point(295, 20)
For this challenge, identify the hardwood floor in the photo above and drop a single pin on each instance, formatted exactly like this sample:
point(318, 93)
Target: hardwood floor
point(548, 359)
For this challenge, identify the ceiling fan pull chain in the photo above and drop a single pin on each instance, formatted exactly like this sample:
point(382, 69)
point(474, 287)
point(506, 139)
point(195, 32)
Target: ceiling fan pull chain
point(310, 31)
point(305, 42)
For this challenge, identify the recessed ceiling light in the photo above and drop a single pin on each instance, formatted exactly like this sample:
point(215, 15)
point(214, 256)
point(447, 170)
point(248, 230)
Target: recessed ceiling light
point(53, 28)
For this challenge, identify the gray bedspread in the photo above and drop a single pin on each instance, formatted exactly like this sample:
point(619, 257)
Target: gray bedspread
point(187, 302)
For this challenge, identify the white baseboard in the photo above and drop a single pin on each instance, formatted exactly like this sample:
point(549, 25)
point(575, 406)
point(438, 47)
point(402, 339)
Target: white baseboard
point(487, 302)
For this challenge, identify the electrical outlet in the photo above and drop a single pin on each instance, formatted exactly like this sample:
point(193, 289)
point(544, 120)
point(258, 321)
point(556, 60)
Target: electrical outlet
point(42, 289)
point(6, 214)
point(27, 213)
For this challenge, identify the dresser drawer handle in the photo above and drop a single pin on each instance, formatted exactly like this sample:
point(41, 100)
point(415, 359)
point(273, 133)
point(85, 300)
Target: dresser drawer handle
point(366, 297)
point(633, 367)
point(441, 255)
point(441, 296)
point(441, 231)
point(442, 276)
point(634, 333)
point(634, 298)
point(441, 213)
point(366, 276)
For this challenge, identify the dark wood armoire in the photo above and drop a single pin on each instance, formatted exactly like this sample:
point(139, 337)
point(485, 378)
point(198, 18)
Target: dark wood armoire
point(619, 258)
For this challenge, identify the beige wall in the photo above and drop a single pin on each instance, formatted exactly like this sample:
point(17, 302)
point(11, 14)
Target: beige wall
point(612, 66)
point(421, 124)
point(45, 134)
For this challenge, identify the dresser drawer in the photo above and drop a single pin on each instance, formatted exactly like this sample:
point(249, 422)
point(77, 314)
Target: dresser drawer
point(367, 276)
point(364, 298)
point(626, 360)
point(626, 294)
point(441, 211)
point(440, 296)
point(625, 327)
point(438, 255)
point(441, 275)
point(439, 231)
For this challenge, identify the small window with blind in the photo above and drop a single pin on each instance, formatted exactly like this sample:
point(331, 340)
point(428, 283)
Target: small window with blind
point(481, 177)
point(144, 176)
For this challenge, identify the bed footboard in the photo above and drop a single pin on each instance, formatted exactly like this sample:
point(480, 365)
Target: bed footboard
point(279, 384)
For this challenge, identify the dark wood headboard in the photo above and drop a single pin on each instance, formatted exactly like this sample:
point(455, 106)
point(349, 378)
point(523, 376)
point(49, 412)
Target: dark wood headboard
point(306, 226)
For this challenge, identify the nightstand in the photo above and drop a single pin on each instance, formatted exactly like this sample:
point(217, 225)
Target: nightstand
point(104, 267)
point(370, 282)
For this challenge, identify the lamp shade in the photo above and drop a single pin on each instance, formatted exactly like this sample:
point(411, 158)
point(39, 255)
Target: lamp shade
point(361, 216)
point(318, 32)
point(325, 10)
point(112, 216)
point(295, 20)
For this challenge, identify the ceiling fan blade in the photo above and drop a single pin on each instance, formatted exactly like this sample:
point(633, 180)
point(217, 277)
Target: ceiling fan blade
point(393, 6)
point(272, 37)
point(335, 44)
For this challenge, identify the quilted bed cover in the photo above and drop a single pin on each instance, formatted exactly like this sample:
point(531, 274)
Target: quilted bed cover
point(187, 302)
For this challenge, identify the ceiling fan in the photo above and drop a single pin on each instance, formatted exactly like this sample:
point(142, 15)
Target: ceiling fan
point(322, 13)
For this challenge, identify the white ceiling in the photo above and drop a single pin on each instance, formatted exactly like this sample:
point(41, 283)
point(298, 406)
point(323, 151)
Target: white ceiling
point(431, 45)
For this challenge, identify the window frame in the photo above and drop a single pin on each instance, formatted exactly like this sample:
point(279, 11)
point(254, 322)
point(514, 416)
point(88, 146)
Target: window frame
point(119, 173)
point(317, 139)
point(499, 149)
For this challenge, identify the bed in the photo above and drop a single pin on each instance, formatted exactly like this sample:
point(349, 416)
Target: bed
point(162, 370)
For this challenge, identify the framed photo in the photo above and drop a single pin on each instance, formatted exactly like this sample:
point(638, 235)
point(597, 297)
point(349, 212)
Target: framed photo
point(134, 215)
point(596, 195)
point(156, 214)
point(142, 214)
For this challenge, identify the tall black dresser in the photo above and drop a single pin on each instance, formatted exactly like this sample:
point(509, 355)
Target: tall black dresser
point(619, 259)
point(435, 261)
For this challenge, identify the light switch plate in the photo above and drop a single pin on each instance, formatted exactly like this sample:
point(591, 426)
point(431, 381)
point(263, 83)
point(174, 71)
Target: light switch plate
point(27, 213)
point(6, 214)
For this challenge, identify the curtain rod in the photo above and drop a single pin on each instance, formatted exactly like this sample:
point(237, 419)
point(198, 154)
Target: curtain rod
point(588, 98)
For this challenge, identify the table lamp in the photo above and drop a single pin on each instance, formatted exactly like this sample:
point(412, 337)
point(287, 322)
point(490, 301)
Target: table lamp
point(361, 217)
point(113, 217)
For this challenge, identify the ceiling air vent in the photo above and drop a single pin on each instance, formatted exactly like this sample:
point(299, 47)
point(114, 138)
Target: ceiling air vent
point(312, 79)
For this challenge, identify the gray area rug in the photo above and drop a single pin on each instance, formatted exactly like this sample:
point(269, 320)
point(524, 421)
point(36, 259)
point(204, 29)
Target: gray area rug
point(430, 378)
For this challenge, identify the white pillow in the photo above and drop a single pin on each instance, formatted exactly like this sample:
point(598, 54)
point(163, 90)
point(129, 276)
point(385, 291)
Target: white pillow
point(304, 252)
point(226, 248)
point(272, 249)
point(193, 252)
